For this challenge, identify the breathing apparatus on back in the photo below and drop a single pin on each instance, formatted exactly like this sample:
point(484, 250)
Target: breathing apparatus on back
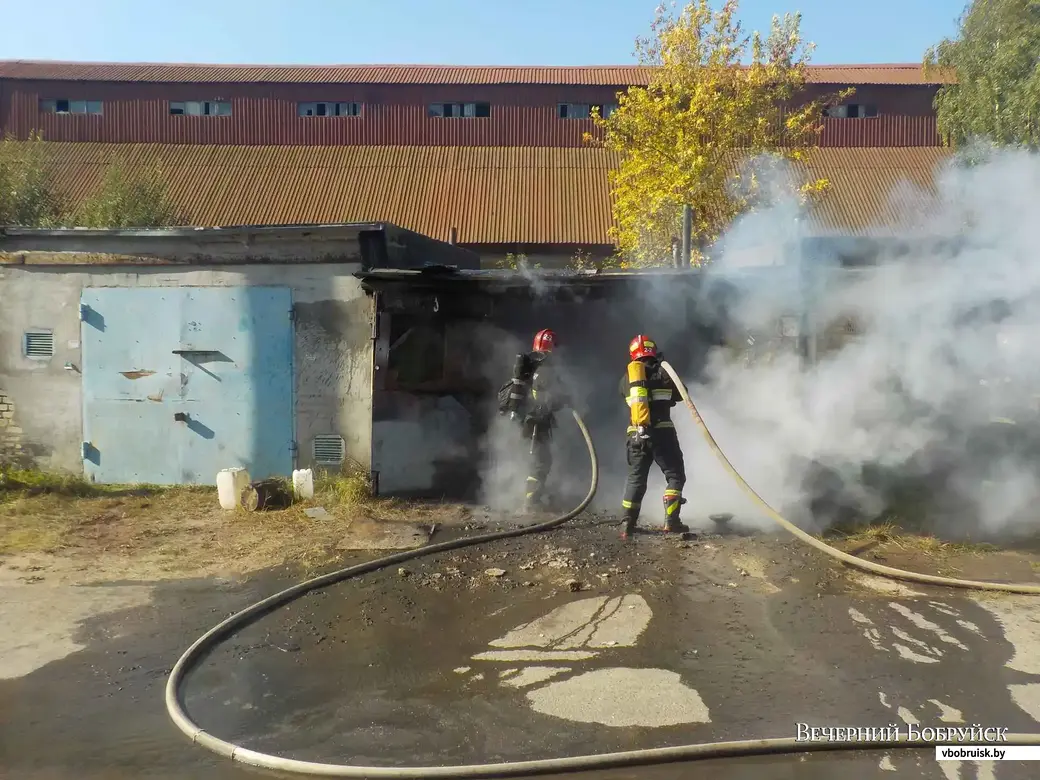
point(514, 395)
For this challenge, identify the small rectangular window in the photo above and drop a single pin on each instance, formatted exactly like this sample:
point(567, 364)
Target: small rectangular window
point(61, 106)
point(200, 108)
point(328, 109)
point(457, 110)
point(573, 110)
point(38, 344)
point(584, 110)
point(852, 111)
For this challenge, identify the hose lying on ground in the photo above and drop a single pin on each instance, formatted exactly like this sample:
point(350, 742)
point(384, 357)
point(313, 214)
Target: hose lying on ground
point(844, 557)
point(208, 641)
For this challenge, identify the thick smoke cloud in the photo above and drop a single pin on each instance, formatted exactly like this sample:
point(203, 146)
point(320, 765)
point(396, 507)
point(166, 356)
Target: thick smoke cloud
point(916, 403)
point(919, 360)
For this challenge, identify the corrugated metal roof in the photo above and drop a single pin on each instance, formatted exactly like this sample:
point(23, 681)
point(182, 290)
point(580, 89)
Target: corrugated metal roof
point(600, 75)
point(492, 195)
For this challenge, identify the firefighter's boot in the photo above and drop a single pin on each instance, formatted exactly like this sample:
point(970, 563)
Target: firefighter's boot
point(628, 527)
point(532, 496)
point(672, 501)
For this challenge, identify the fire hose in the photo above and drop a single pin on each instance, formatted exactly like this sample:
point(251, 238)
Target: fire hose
point(205, 644)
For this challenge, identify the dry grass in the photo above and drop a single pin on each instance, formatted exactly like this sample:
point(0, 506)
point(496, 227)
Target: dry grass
point(889, 543)
point(350, 490)
point(148, 532)
point(892, 536)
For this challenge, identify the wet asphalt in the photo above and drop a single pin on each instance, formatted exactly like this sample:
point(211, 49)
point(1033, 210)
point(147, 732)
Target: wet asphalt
point(368, 671)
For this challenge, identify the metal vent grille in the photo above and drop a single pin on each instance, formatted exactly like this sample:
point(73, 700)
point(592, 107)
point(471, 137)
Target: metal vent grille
point(329, 448)
point(39, 344)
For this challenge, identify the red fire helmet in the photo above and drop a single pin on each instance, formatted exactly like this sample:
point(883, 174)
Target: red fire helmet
point(642, 347)
point(544, 341)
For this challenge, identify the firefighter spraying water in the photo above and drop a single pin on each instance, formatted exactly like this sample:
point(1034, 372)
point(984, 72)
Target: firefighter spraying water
point(532, 397)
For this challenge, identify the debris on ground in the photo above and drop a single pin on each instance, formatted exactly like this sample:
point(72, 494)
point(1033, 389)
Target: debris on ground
point(495, 572)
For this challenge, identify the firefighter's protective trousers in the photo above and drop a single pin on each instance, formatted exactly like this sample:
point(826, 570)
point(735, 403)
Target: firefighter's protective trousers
point(538, 438)
point(663, 449)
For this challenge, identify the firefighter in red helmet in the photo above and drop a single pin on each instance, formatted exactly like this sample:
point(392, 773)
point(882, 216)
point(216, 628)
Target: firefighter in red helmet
point(533, 396)
point(651, 394)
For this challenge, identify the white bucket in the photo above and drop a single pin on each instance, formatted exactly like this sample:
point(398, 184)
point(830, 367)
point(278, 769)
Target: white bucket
point(230, 484)
point(303, 483)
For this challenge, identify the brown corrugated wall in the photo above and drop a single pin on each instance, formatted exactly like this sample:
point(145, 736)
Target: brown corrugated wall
point(266, 114)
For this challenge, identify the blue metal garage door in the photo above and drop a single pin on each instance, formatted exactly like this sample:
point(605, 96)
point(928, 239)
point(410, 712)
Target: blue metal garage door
point(181, 382)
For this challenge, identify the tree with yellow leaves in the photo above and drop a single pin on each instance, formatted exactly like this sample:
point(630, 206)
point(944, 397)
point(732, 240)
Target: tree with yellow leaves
point(681, 139)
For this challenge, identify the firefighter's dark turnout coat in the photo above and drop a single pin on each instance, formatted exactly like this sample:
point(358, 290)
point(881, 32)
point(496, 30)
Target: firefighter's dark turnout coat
point(535, 395)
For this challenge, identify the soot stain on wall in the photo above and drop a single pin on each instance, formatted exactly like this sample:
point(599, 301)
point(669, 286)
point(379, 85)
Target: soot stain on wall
point(331, 344)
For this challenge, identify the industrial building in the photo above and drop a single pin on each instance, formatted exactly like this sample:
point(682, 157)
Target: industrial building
point(490, 157)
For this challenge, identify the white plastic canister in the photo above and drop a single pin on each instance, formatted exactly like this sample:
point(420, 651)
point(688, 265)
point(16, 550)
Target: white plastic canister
point(303, 483)
point(230, 484)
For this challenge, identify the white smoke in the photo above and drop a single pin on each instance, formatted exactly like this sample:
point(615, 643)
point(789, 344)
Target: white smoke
point(918, 385)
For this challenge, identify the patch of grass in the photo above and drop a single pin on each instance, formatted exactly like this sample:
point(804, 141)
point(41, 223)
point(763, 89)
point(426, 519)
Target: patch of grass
point(145, 531)
point(26, 483)
point(42, 535)
point(42, 512)
point(347, 489)
point(23, 482)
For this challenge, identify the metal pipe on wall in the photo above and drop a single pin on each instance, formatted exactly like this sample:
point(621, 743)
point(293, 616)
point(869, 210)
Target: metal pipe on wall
point(687, 235)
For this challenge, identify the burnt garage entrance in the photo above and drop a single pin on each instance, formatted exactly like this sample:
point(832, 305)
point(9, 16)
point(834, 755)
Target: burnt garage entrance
point(446, 339)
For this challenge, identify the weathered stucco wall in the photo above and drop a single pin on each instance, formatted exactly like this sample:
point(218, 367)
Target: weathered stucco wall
point(333, 351)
